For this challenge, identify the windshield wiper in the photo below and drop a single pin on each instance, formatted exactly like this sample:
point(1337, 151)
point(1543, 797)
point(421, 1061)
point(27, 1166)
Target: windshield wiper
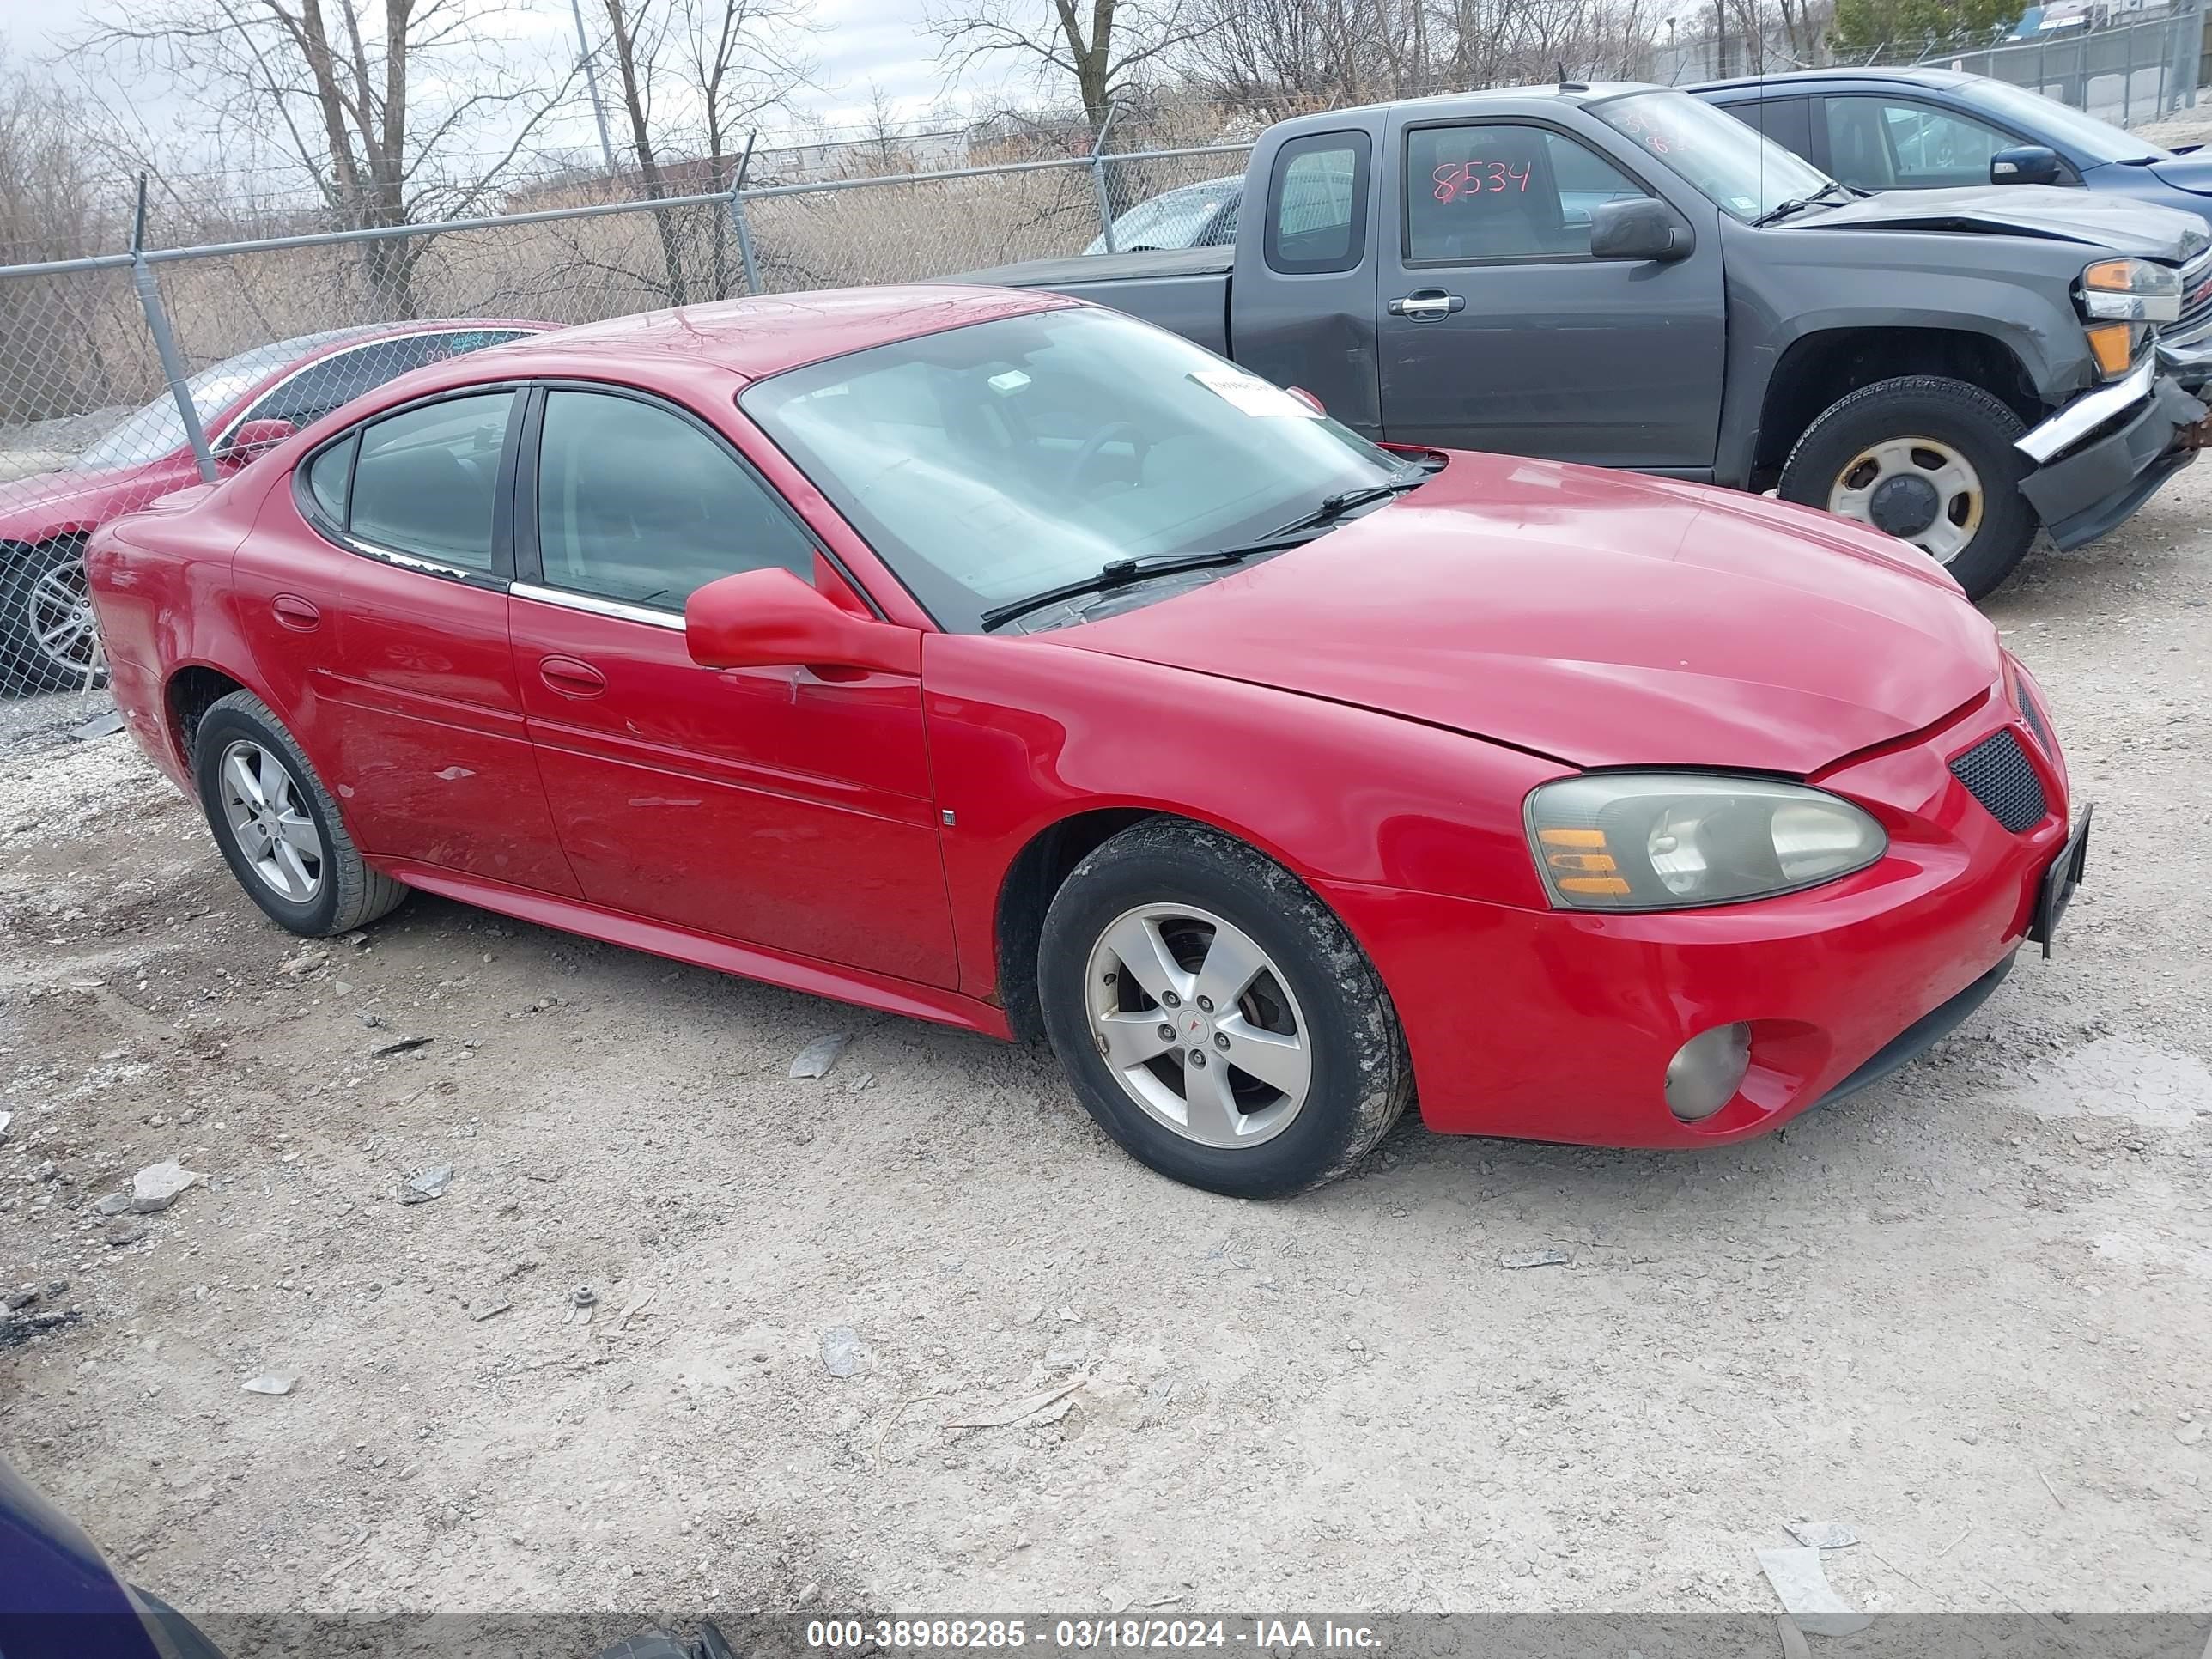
point(1333, 507)
point(1120, 572)
point(1799, 203)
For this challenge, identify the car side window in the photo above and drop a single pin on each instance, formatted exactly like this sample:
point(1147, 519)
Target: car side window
point(1317, 203)
point(637, 504)
point(329, 478)
point(1889, 143)
point(1788, 121)
point(1504, 191)
point(427, 478)
point(338, 379)
point(1938, 147)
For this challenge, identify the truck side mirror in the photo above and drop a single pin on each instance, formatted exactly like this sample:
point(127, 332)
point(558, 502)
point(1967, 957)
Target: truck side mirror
point(2025, 164)
point(1641, 227)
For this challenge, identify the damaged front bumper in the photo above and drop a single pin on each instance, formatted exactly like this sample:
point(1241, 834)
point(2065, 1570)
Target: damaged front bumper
point(2105, 454)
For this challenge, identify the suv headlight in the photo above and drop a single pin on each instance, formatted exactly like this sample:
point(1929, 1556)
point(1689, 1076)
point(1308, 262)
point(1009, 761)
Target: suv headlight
point(1667, 841)
point(2131, 291)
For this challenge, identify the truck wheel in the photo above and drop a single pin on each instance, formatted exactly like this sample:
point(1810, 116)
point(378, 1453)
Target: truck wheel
point(1928, 461)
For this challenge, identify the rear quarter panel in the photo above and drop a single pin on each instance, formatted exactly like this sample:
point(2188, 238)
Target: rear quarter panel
point(161, 588)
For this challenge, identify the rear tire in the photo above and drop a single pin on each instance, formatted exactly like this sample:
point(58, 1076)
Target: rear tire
point(278, 827)
point(1173, 927)
point(1922, 447)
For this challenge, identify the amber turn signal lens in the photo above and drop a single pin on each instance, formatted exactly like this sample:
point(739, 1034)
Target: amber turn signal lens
point(1594, 838)
point(1595, 864)
point(1609, 886)
point(2112, 345)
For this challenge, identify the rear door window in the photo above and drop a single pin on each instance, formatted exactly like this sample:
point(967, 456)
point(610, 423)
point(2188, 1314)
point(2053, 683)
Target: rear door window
point(427, 480)
point(1317, 203)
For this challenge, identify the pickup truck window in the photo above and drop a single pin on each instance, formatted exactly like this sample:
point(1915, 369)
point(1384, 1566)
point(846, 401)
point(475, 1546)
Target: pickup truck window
point(989, 462)
point(1744, 173)
point(1317, 203)
point(1502, 190)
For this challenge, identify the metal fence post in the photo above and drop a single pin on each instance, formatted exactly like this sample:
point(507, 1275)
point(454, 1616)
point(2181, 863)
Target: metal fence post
point(738, 219)
point(165, 343)
point(1098, 179)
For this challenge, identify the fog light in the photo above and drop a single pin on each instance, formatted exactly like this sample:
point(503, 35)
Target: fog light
point(1707, 1071)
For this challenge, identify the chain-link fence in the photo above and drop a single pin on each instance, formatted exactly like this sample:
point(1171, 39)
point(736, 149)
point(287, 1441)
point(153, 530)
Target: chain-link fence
point(2124, 73)
point(125, 377)
point(128, 375)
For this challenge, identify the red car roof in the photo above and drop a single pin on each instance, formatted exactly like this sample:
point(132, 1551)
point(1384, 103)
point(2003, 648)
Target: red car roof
point(756, 337)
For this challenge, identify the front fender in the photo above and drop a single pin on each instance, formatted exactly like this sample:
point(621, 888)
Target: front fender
point(1789, 286)
point(1026, 732)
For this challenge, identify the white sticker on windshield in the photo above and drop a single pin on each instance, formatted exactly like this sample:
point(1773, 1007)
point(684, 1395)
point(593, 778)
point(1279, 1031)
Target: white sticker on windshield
point(1008, 383)
point(1253, 395)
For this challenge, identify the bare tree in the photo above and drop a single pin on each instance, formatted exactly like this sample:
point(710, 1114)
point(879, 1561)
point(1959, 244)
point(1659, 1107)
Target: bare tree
point(1101, 53)
point(1280, 55)
point(383, 105)
point(691, 75)
point(636, 30)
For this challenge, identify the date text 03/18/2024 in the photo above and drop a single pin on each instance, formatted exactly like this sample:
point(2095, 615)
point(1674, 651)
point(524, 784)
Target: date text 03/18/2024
point(1076, 1635)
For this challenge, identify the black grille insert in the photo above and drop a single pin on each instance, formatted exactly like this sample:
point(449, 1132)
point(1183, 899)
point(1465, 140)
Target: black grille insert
point(2032, 712)
point(1998, 774)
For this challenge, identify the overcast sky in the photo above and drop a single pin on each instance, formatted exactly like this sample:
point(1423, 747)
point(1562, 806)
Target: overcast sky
point(862, 42)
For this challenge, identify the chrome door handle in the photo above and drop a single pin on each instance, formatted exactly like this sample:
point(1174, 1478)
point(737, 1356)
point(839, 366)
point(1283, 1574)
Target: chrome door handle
point(1424, 305)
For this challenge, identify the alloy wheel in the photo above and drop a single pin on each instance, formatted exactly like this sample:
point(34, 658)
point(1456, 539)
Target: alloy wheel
point(1920, 490)
point(274, 830)
point(1198, 1026)
point(62, 624)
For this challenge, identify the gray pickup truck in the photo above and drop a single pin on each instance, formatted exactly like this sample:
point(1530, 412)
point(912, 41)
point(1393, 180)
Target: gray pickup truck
point(1623, 276)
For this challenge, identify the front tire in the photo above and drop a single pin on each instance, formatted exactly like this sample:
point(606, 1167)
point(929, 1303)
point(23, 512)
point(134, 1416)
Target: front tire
point(1215, 1016)
point(278, 827)
point(1930, 460)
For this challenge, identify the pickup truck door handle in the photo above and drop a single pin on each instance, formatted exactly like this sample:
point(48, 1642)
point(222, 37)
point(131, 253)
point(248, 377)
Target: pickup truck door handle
point(1425, 304)
point(571, 679)
point(295, 613)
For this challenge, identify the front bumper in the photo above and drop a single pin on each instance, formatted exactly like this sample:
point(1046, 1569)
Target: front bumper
point(2105, 454)
point(1557, 1025)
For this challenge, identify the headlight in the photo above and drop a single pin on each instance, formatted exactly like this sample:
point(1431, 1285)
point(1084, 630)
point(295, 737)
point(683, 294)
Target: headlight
point(2131, 291)
point(1667, 841)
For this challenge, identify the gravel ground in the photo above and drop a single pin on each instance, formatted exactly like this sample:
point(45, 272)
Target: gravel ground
point(1968, 1313)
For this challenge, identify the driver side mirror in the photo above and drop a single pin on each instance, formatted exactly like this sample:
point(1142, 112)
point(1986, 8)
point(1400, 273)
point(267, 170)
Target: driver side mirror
point(2025, 164)
point(1641, 227)
point(252, 438)
point(771, 619)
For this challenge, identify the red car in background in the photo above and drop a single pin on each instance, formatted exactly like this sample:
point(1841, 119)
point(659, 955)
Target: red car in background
point(46, 638)
point(999, 659)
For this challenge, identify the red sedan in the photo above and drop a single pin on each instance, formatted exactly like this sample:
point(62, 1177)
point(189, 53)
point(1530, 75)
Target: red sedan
point(999, 661)
point(244, 403)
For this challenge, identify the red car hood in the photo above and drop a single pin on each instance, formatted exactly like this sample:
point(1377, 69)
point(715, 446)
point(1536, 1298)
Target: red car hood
point(1596, 618)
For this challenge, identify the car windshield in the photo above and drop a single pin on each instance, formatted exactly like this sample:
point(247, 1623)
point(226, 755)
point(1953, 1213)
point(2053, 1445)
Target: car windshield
point(1175, 220)
point(2081, 134)
point(1745, 173)
point(158, 430)
point(993, 462)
